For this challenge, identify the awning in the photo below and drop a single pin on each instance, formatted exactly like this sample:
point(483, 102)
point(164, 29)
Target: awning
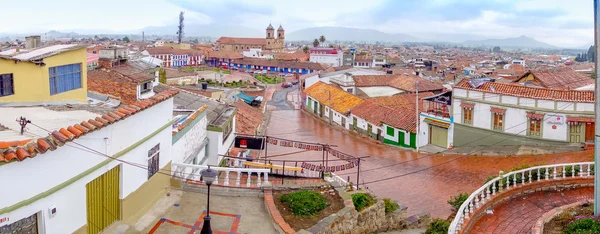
point(467, 105)
point(437, 123)
point(532, 115)
point(497, 110)
point(580, 119)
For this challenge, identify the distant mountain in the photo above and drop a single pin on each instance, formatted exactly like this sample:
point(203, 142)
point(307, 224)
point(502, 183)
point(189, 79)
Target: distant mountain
point(348, 34)
point(212, 30)
point(517, 42)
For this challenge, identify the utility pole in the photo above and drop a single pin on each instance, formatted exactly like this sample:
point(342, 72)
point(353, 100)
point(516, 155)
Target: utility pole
point(417, 107)
point(597, 108)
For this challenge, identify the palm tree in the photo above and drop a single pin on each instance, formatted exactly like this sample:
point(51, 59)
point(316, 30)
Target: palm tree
point(322, 39)
point(305, 49)
point(316, 43)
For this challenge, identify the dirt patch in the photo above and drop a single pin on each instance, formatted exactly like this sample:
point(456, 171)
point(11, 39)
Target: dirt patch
point(336, 203)
point(560, 221)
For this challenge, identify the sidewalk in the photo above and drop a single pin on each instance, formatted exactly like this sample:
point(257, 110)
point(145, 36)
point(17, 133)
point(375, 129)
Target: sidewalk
point(503, 150)
point(183, 212)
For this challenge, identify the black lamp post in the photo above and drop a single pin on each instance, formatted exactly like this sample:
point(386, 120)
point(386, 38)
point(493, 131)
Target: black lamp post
point(209, 176)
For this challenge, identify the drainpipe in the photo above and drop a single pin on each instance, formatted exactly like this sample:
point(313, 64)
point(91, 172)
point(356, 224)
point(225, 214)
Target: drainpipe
point(597, 109)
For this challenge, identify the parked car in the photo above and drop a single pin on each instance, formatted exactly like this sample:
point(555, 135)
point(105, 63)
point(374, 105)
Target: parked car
point(257, 72)
point(234, 68)
point(294, 82)
point(286, 84)
point(289, 75)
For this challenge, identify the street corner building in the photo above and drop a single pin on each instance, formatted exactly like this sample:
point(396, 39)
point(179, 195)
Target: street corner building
point(71, 166)
point(488, 112)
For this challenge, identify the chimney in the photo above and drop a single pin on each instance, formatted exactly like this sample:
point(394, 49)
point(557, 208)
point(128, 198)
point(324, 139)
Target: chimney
point(32, 42)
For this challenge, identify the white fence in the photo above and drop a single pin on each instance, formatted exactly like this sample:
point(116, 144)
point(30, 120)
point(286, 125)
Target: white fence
point(191, 172)
point(511, 180)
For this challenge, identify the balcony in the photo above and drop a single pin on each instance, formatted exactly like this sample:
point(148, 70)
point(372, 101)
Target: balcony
point(436, 109)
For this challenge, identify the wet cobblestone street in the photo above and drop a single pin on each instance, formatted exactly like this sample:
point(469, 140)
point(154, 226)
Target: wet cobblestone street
point(422, 182)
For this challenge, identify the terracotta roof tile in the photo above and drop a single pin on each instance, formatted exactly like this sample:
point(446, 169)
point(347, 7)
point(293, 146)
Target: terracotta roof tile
point(337, 99)
point(530, 92)
point(74, 131)
point(372, 112)
point(399, 81)
point(560, 79)
point(20, 150)
point(242, 41)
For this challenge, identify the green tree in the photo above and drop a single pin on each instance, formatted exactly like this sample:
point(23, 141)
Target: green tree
point(590, 54)
point(162, 76)
point(305, 49)
point(126, 39)
point(496, 49)
point(322, 39)
point(195, 41)
point(316, 43)
point(96, 37)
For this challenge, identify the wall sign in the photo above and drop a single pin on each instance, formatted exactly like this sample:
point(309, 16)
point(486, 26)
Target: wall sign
point(555, 119)
point(4, 219)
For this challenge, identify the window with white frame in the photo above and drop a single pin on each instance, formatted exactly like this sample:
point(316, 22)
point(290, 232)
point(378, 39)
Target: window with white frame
point(153, 160)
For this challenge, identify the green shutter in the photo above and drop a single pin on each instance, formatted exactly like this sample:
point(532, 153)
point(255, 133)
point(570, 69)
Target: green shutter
point(390, 131)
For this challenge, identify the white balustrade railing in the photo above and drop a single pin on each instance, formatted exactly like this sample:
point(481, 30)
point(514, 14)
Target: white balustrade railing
point(341, 181)
point(511, 180)
point(191, 172)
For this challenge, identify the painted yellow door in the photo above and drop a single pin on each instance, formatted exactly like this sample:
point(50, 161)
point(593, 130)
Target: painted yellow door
point(439, 136)
point(102, 196)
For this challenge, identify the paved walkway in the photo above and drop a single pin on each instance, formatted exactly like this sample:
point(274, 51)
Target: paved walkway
point(423, 182)
point(520, 214)
point(183, 212)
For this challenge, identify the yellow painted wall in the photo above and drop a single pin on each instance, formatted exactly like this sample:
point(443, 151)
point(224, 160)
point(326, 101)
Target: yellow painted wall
point(141, 200)
point(32, 82)
point(530, 77)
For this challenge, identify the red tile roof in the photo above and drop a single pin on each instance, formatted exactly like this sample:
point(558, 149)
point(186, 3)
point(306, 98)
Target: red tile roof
point(224, 55)
point(248, 118)
point(170, 50)
point(20, 150)
point(530, 92)
point(402, 118)
point(121, 72)
point(560, 79)
point(400, 100)
point(399, 81)
point(242, 41)
point(333, 97)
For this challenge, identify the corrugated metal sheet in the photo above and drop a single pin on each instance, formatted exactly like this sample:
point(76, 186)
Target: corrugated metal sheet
point(102, 195)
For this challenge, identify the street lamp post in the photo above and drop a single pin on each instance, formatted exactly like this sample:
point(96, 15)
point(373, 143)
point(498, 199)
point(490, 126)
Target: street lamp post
point(209, 176)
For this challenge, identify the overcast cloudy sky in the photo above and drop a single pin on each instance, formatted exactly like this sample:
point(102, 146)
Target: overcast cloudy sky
point(564, 23)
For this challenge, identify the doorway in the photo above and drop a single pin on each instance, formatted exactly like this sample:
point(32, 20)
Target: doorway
point(102, 201)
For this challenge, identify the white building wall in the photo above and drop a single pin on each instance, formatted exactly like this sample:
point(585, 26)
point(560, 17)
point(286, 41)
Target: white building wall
point(527, 102)
point(510, 100)
point(475, 95)
point(334, 60)
point(515, 121)
point(360, 123)
point(560, 133)
point(585, 106)
point(546, 104)
point(187, 145)
point(459, 93)
point(482, 117)
point(492, 97)
point(386, 136)
point(566, 106)
point(457, 110)
point(45, 171)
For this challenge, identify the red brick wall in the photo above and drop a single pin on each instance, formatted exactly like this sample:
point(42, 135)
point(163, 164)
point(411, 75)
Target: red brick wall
point(124, 90)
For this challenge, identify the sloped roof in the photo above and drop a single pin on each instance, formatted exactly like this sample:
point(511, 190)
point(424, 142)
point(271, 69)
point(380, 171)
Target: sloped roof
point(400, 100)
point(124, 71)
point(530, 92)
point(399, 81)
point(242, 41)
point(224, 54)
point(248, 118)
point(402, 118)
point(20, 150)
point(335, 98)
point(565, 78)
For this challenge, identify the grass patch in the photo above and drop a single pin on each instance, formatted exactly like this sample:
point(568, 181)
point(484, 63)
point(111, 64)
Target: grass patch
point(390, 206)
point(305, 202)
point(362, 200)
point(438, 226)
point(268, 79)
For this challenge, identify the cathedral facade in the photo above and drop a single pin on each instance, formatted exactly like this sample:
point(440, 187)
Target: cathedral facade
point(274, 41)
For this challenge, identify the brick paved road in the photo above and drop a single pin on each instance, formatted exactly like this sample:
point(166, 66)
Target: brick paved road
point(425, 191)
point(519, 215)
